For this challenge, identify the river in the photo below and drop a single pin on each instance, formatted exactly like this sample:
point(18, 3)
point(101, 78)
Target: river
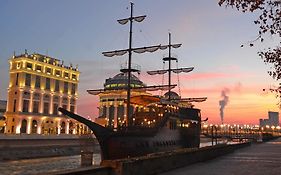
point(43, 165)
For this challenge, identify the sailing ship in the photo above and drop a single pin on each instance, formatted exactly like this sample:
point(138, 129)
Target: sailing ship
point(160, 123)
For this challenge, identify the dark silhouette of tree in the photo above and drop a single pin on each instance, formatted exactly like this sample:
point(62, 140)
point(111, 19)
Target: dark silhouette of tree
point(269, 22)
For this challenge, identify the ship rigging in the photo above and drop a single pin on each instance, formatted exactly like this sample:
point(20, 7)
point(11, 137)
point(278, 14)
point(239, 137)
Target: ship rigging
point(161, 124)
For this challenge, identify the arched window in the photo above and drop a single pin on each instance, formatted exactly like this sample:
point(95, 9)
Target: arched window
point(34, 127)
point(62, 128)
point(71, 127)
point(78, 129)
point(23, 126)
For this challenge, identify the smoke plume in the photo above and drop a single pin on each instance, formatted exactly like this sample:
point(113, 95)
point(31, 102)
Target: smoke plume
point(223, 102)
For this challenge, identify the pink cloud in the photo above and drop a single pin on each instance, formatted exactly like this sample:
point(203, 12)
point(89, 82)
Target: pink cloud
point(205, 76)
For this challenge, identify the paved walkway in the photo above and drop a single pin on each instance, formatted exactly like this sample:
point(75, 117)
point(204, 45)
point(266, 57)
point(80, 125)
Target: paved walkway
point(258, 159)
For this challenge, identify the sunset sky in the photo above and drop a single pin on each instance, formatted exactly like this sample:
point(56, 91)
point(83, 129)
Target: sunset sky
point(79, 31)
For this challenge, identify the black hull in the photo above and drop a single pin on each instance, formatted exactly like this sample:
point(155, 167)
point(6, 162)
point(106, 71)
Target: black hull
point(133, 142)
point(123, 146)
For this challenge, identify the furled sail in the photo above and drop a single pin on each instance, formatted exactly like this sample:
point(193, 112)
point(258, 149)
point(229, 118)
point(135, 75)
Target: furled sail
point(136, 50)
point(146, 88)
point(199, 99)
point(186, 70)
point(139, 18)
point(146, 49)
point(125, 20)
point(115, 53)
point(176, 45)
point(157, 72)
point(180, 70)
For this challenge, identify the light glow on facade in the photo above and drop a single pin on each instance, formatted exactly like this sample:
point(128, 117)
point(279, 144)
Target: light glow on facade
point(35, 89)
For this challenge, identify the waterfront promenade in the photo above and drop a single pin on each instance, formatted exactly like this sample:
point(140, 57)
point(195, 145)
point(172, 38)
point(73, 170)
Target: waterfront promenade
point(258, 159)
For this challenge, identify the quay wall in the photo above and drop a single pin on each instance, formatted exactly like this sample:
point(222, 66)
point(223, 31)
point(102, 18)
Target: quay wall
point(36, 146)
point(158, 163)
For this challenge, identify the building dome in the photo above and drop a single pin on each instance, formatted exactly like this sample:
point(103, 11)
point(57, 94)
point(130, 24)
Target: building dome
point(173, 95)
point(120, 80)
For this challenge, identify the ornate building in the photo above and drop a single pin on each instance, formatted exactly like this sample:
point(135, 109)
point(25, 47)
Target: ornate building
point(38, 85)
point(112, 106)
point(3, 105)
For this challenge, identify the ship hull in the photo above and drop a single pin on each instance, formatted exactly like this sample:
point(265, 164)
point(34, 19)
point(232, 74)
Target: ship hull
point(139, 141)
point(123, 146)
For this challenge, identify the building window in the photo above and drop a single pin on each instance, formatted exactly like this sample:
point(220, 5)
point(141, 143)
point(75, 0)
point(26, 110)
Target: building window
point(47, 83)
point(66, 75)
point(46, 108)
point(23, 126)
point(74, 77)
point(18, 65)
point(48, 70)
point(26, 95)
point(47, 98)
point(36, 96)
point(64, 100)
point(57, 73)
point(56, 99)
point(35, 106)
point(57, 86)
point(72, 108)
point(73, 88)
point(39, 68)
point(37, 81)
point(15, 105)
point(72, 101)
point(62, 128)
point(27, 79)
point(34, 127)
point(25, 105)
point(55, 109)
point(65, 87)
point(29, 66)
point(17, 79)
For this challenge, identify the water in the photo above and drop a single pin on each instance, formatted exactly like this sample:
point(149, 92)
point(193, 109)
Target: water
point(43, 165)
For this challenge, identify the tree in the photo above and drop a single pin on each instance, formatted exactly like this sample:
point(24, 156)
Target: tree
point(269, 22)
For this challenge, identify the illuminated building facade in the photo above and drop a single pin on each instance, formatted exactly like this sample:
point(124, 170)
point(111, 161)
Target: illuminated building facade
point(3, 105)
point(39, 85)
point(112, 105)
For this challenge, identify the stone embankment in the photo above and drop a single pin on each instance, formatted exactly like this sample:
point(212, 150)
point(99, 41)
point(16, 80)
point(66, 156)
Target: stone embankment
point(157, 163)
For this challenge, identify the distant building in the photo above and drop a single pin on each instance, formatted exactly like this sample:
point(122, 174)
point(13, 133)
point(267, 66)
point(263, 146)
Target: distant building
point(3, 105)
point(112, 108)
point(273, 119)
point(39, 85)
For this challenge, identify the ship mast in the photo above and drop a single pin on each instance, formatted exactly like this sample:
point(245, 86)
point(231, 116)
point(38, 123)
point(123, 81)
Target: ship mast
point(131, 19)
point(170, 70)
point(129, 120)
point(169, 59)
point(177, 71)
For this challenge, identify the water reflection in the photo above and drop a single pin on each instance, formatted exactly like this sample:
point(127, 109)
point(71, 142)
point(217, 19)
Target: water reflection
point(43, 165)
